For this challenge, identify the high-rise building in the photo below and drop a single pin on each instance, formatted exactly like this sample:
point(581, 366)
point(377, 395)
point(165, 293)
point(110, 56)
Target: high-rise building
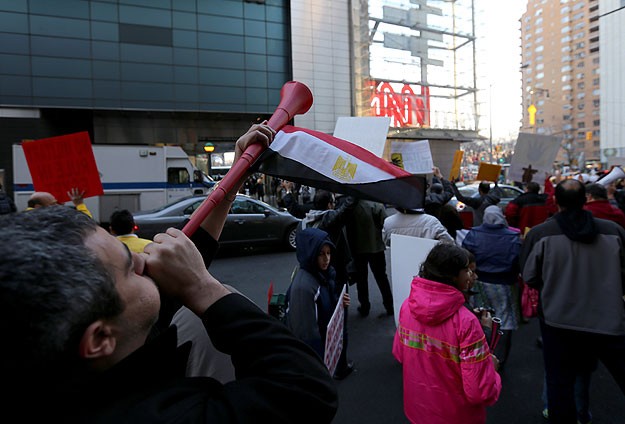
point(612, 41)
point(561, 81)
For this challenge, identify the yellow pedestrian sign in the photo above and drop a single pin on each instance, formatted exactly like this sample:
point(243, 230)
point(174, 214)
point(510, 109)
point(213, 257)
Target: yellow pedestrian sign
point(532, 111)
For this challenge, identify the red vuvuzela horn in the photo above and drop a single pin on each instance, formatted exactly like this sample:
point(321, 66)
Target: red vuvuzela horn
point(295, 99)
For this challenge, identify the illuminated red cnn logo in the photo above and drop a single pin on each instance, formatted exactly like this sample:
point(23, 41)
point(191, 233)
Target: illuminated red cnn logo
point(404, 107)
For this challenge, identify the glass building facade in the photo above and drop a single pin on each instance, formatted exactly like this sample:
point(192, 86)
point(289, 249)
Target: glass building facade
point(159, 55)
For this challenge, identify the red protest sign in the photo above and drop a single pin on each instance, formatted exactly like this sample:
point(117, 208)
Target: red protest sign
point(58, 164)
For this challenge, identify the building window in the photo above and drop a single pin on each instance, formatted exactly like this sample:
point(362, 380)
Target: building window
point(581, 125)
point(596, 122)
point(596, 143)
point(579, 75)
point(580, 45)
point(596, 92)
point(581, 115)
point(540, 75)
point(595, 81)
point(566, 68)
point(581, 106)
point(564, 19)
point(596, 103)
point(567, 87)
point(580, 84)
point(565, 39)
point(565, 29)
point(566, 58)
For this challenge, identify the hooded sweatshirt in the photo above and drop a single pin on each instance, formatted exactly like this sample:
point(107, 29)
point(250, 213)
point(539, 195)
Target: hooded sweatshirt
point(312, 296)
point(448, 374)
point(496, 248)
point(578, 264)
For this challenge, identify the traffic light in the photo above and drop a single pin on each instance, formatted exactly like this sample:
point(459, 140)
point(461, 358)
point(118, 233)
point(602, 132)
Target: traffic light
point(588, 135)
point(209, 147)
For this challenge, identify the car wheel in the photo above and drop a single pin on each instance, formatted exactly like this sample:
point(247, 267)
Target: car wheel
point(290, 238)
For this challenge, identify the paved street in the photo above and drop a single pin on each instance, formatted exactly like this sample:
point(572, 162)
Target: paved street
point(373, 394)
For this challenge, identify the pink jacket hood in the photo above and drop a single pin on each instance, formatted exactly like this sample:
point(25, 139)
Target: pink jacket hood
point(431, 302)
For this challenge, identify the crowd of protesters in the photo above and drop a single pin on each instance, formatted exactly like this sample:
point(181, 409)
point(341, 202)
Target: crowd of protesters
point(466, 295)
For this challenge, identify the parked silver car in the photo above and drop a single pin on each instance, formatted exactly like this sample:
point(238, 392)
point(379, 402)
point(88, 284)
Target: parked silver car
point(471, 190)
point(250, 222)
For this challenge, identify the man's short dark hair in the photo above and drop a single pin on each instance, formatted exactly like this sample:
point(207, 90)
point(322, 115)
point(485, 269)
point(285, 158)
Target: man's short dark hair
point(532, 187)
point(321, 200)
point(122, 222)
point(51, 288)
point(597, 191)
point(570, 194)
point(484, 187)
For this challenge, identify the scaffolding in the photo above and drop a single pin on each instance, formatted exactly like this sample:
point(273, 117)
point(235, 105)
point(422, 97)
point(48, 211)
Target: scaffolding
point(419, 68)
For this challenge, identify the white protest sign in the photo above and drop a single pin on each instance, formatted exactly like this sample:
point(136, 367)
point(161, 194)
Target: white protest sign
point(407, 255)
point(368, 132)
point(334, 335)
point(533, 156)
point(414, 157)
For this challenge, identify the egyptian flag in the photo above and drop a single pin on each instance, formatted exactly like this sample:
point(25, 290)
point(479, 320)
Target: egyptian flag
point(319, 160)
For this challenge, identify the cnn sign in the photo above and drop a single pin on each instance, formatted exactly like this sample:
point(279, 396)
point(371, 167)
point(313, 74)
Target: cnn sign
point(400, 103)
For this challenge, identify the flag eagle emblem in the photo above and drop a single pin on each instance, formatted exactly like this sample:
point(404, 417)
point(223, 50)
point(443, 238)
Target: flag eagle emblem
point(343, 169)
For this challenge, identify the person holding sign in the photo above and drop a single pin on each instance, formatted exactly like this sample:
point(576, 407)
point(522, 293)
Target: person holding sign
point(42, 199)
point(448, 371)
point(313, 294)
point(487, 197)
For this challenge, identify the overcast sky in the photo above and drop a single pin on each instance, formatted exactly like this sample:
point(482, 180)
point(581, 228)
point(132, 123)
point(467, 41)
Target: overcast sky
point(503, 63)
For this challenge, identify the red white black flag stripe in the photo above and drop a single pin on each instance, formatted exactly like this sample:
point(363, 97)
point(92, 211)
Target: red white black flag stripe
point(322, 161)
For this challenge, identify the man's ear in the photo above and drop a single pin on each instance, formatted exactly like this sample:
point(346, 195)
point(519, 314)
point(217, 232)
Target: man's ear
point(97, 341)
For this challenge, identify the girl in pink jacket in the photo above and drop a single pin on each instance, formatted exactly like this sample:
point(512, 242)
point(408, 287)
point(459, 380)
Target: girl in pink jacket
point(448, 371)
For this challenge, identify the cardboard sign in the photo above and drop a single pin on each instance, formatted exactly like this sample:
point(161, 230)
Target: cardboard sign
point(407, 255)
point(334, 336)
point(488, 172)
point(58, 164)
point(455, 165)
point(366, 131)
point(414, 157)
point(533, 156)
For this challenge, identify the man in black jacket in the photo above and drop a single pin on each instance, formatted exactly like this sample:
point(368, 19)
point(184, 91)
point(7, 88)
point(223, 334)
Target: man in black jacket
point(78, 307)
